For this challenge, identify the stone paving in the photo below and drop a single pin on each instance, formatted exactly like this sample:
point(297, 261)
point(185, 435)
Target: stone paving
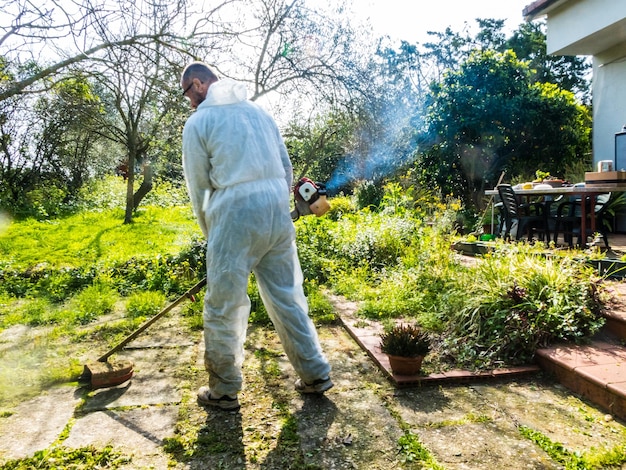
point(356, 425)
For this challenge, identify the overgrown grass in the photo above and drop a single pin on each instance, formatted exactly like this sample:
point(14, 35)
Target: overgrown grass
point(494, 313)
point(394, 258)
point(97, 238)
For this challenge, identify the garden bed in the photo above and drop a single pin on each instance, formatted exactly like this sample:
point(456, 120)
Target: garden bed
point(606, 267)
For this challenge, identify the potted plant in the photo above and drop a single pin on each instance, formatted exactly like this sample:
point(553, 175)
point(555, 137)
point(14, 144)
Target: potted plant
point(406, 346)
point(490, 224)
point(545, 178)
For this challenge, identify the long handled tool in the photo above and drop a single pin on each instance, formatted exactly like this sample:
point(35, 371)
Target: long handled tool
point(490, 204)
point(102, 373)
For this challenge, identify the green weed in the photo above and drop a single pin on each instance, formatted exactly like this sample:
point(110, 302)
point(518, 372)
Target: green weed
point(572, 460)
point(522, 300)
point(394, 258)
point(97, 238)
point(91, 303)
point(62, 457)
point(144, 304)
point(193, 313)
point(413, 451)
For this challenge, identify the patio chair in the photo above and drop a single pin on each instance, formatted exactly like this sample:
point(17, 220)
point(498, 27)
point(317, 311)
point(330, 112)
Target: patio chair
point(521, 218)
point(568, 220)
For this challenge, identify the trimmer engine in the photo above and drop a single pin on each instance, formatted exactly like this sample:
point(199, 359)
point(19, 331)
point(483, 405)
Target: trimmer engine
point(310, 198)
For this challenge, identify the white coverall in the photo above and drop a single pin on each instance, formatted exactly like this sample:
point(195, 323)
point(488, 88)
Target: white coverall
point(239, 176)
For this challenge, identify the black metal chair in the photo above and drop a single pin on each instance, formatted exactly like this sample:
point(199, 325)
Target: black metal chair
point(522, 218)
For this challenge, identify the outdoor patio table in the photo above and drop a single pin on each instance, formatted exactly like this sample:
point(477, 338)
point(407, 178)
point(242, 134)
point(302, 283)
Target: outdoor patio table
point(584, 191)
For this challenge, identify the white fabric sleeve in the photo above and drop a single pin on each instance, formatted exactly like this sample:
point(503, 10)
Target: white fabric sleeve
point(197, 170)
point(286, 161)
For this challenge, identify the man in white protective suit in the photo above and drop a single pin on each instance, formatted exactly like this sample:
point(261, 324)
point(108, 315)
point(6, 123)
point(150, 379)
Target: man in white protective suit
point(239, 178)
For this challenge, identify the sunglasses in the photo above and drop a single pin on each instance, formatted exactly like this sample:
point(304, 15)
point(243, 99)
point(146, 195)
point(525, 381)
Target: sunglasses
point(187, 89)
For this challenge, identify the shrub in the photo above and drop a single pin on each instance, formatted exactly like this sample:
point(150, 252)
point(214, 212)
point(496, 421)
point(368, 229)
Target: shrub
point(368, 195)
point(43, 280)
point(340, 206)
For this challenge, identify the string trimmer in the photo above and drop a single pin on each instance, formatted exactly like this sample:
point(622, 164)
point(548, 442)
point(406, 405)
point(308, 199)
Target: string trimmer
point(102, 373)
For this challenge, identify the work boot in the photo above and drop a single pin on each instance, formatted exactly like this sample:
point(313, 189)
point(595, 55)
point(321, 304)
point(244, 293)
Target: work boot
point(224, 402)
point(318, 387)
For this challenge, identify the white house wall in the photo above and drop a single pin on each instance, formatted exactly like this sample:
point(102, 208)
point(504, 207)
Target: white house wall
point(609, 108)
point(596, 28)
point(586, 27)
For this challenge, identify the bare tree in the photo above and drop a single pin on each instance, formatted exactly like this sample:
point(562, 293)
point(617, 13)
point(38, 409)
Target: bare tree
point(140, 85)
point(287, 48)
point(131, 50)
point(58, 34)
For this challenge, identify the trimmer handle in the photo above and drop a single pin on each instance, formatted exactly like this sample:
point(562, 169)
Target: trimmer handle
point(187, 295)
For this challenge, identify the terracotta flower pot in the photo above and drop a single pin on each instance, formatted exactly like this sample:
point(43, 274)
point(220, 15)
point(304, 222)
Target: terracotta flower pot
point(405, 365)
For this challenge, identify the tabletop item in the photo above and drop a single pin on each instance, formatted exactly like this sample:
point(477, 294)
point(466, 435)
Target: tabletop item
point(606, 178)
point(605, 165)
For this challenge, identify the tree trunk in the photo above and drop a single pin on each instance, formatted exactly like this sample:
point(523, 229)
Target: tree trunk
point(128, 216)
point(145, 187)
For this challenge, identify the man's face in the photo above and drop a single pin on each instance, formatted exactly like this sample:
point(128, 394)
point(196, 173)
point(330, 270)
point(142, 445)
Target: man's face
point(195, 91)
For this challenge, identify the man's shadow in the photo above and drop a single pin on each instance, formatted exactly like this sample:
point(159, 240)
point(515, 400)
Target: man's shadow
point(307, 429)
point(219, 441)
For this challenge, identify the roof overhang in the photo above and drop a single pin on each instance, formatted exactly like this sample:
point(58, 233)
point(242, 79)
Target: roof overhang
point(540, 8)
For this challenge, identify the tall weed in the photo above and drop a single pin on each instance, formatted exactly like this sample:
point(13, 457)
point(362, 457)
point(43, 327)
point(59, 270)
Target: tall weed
point(144, 304)
point(521, 300)
point(91, 303)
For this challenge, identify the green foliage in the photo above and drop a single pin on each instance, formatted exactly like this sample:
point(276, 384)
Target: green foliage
point(144, 304)
point(56, 259)
point(399, 267)
point(103, 194)
point(606, 458)
point(397, 200)
point(93, 302)
point(193, 312)
point(32, 312)
point(405, 341)
point(395, 261)
point(368, 194)
point(109, 192)
point(413, 451)
point(569, 72)
point(45, 281)
point(521, 301)
point(47, 201)
point(258, 313)
point(594, 459)
point(82, 458)
point(489, 116)
point(97, 238)
point(555, 450)
point(316, 248)
point(320, 309)
point(317, 145)
point(340, 206)
point(49, 148)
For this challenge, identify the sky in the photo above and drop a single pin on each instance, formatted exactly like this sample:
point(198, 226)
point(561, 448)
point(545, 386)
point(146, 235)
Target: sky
point(411, 19)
